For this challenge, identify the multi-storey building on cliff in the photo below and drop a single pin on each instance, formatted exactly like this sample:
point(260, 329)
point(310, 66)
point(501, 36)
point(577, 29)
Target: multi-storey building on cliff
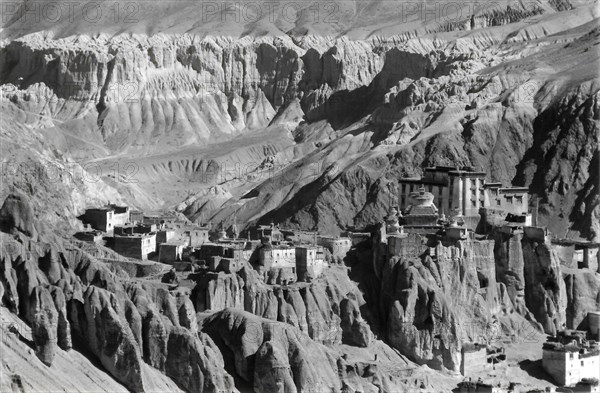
point(106, 218)
point(310, 262)
point(137, 245)
point(570, 358)
point(464, 192)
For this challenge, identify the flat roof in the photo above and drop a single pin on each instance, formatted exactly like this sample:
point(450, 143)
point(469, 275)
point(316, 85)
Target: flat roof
point(278, 247)
point(467, 173)
point(100, 209)
point(440, 168)
point(570, 242)
point(134, 225)
point(493, 184)
point(422, 226)
point(108, 207)
point(473, 347)
point(92, 232)
point(215, 244)
point(134, 235)
point(422, 181)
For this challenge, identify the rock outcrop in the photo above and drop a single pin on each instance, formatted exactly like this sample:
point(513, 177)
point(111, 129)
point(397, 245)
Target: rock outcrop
point(275, 356)
point(421, 323)
point(434, 296)
point(189, 364)
point(453, 100)
point(327, 309)
point(355, 330)
point(582, 296)
point(272, 372)
point(73, 302)
point(63, 325)
point(322, 129)
point(110, 339)
point(44, 321)
point(16, 214)
point(545, 291)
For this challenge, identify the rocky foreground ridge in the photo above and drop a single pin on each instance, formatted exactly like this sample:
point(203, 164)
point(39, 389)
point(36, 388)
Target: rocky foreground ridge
point(409, 315)
point(321, 128)
point(288, 127)
point(150, 337)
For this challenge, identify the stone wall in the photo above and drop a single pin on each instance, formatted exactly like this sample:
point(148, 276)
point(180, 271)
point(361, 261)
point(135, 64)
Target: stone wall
point(473, 362)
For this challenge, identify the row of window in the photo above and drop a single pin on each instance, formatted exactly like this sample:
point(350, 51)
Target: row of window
point(518, 200)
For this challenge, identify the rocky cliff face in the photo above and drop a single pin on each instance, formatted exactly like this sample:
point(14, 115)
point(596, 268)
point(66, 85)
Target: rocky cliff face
point(274, 356)
point(273, 122)
point(583, 296)
point(394, 105)
point(70, 299)
point(531, 272)
point(220, 85)
point(327, 309)
point(434, 296)
point(149, 338)
point(491, 116)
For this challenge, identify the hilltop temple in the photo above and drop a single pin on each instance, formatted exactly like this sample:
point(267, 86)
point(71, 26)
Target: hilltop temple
point(460, 192)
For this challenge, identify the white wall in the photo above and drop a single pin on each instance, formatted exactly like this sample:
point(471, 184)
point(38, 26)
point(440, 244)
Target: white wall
point(568, 368)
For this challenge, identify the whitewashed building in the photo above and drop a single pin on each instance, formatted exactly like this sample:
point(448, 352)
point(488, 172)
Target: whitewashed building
point(570, 358)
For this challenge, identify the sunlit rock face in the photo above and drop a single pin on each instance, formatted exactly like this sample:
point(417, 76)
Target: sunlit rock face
point(308, 122)
point(433, 296)
point(344, 116)
point(73, 301)
point(327, 309)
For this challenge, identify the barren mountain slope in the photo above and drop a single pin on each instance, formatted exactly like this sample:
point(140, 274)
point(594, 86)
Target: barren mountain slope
point(153, 114)
point(358, 20)
point(307, 119)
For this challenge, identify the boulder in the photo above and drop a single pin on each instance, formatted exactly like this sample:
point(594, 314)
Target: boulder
point(170, 277)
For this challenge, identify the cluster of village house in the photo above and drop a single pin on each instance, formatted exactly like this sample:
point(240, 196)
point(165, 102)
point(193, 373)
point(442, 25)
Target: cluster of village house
point(571, 358)
point(293, 254)
point(473, 206)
